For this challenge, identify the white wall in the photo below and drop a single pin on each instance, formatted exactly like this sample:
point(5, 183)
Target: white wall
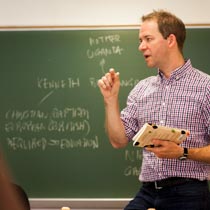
point(96, 12)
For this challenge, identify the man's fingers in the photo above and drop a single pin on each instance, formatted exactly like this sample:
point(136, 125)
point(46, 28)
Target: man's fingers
point(108, 80)
point(101, 84)
point(114, 74)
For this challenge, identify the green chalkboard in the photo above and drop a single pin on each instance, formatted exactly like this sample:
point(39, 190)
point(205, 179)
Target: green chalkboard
point(52, 113)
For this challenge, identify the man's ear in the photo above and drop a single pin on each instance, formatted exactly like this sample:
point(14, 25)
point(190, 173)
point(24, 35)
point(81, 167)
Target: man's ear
point(171, 40)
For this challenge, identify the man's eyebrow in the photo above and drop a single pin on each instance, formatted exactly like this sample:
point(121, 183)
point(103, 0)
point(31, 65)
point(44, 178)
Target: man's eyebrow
point(145, 36)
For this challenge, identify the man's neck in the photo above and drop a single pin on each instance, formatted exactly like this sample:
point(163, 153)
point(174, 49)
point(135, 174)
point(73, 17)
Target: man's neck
point(174, 63)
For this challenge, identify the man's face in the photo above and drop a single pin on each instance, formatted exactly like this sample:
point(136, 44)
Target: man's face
point(152, 44)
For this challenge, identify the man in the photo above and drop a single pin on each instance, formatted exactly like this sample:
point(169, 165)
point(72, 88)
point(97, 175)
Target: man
point(173, 176)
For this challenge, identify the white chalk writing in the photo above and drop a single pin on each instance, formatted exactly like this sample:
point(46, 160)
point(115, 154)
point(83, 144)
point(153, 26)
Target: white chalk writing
point(131, 171)
point(99, 49)
point(55, 113)
point(69, 119)
point(131, 82)
point(132, 157)
point(51, 125)
point(104, 39)
point(104, 52)
point(42, 143)
point(46, 83)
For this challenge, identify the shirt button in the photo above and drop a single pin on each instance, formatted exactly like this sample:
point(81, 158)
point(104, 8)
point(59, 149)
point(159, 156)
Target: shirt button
point(163, 103)
point(162, 122)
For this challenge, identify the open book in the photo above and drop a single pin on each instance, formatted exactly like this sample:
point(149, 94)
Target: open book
point(151, 131)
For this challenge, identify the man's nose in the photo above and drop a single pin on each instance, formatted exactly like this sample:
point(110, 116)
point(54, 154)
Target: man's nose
point(142, 46)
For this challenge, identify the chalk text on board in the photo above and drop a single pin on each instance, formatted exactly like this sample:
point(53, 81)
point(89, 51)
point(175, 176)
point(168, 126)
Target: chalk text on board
point(104, 39)
point(132, 171)
point(132, 157)
point(69, 119)
point(42, 143)
point(45, 83)
point(55, 113)
point(131, 82)
point(97, 48)
point(101, 52)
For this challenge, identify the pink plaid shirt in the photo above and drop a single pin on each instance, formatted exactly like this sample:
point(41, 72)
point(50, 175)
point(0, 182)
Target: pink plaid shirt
point(182, 101)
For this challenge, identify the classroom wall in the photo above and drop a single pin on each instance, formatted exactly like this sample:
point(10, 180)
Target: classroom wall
point(95, 12)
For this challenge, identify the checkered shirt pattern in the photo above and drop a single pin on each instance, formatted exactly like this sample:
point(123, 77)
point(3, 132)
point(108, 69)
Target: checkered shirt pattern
point(182, 101)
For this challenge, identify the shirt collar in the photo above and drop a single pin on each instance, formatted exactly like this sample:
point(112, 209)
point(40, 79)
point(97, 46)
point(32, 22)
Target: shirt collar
point(178, 72)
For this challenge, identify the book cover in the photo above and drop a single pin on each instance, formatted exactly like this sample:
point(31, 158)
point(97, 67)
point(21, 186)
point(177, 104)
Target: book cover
point(149, 132)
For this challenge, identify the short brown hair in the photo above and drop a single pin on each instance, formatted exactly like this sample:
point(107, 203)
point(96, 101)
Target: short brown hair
point(168, 24)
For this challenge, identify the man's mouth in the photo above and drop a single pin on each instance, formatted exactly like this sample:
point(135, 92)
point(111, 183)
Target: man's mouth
point(146, 56)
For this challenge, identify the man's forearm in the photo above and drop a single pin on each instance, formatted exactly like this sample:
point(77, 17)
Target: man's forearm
point(200, 154)
point(114, 126)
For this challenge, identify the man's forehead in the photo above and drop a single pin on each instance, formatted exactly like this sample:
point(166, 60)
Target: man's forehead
point(149, 24)
point(148, 27)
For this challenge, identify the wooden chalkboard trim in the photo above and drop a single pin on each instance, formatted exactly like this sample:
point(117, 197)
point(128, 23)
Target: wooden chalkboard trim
point(106, 203)
point(200, 25)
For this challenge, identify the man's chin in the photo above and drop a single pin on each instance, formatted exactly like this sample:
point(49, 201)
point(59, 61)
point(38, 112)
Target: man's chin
point(150, 65)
